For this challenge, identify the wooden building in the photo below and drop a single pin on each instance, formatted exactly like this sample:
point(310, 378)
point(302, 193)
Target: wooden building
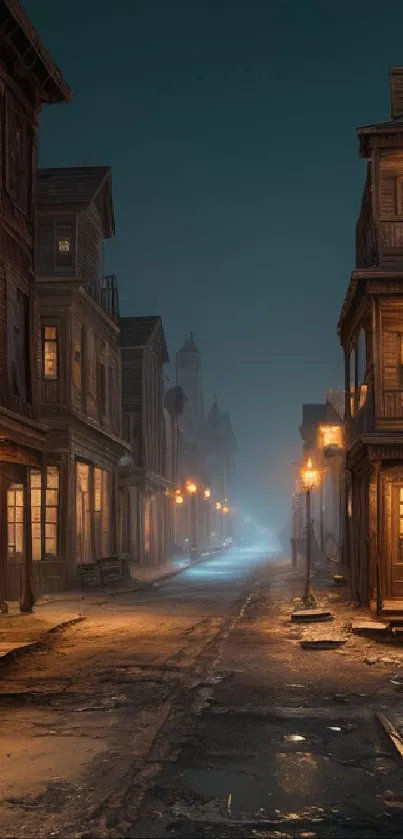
point(29, 78)
point(75, 503)
point(146, 489)
point(371, 333)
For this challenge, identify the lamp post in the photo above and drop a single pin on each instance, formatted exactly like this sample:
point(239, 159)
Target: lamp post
point(310, 479)
point(191, 488)
point(207, 494)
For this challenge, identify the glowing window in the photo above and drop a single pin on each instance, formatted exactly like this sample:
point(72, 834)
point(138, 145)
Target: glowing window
point(52, 510)
point(50, 352)
point(36, 512)
point(330, 435)
point(64, 245)
point(15, 520)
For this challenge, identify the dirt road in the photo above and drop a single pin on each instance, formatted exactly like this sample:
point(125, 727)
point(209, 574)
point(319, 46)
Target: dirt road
point(190, 710)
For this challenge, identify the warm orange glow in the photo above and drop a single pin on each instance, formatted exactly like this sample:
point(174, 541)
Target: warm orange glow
point(191, 488)
point(330, 435)
point(218, 506)
point(207, 493)
point(225, 509)
point(310, 477)
point(179, 499)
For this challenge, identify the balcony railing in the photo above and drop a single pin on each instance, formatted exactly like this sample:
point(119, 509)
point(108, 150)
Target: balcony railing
point(106, 295)
point(110, 296)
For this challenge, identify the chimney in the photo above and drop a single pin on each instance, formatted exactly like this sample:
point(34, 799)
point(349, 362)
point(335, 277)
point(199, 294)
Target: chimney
point(396, 92)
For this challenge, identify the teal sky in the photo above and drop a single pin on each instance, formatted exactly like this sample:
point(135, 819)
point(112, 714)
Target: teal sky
point(230, 127)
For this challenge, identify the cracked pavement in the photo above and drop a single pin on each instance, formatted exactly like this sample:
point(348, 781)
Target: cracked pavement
point(190, 710)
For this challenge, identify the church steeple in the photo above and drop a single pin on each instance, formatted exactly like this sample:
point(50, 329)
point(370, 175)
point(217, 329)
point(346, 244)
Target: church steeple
point(189, 378)
point(189, 346)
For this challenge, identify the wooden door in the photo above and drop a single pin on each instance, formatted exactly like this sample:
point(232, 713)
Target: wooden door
point(396, 554)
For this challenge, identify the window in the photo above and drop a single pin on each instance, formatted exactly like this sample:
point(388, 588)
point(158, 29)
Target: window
point(392, 360)
point(102, 379)
point(50, 361)
point(77, 355)
point(352, 380)
point(15, 520)
point(102, 511)
point(36, 514)
point(330, 435)
point(52, 510)
point(64, 245)
point(18, 156)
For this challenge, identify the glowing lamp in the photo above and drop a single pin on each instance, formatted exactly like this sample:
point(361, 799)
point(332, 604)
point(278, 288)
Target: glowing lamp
point(191, 488)
point(225, 509)
point(310, 477)
point(218, 506)
point(179, 499)
point(207, 493)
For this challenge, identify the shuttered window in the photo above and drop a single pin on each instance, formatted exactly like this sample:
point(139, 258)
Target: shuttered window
point(392, 360)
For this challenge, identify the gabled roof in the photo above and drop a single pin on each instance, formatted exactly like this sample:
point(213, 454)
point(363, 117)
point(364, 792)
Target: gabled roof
point(23, 38)
point(312, 413)
point(78, 186)
point(189, 346)
point(140, 332)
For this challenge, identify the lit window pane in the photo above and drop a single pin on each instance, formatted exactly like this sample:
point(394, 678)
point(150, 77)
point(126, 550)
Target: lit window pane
point(51, 497)
point(19, 514)
point(36, 480)
point(36, 513)
point(52, 477)
point(401, 526)
point(50, 531)
point(36, 550)
point(36, 498)
point(51, 545)
point(64, 245)
point(36, 530)
point(51, 515)
point(19, 498)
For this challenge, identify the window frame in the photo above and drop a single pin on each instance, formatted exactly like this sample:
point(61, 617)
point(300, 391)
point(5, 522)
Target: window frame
point(55, 341)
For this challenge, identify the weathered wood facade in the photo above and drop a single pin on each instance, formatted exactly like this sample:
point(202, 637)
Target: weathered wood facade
point(77, 533)
point(28, 78)
point(371, 333)
point(145, 487)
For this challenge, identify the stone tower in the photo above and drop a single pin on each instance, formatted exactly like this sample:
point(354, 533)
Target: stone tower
point(189, 378)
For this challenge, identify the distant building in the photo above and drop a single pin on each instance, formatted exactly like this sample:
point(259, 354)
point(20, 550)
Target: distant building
point(29, 78)
point(147, 478)
point(322, 441)
point(208, 453)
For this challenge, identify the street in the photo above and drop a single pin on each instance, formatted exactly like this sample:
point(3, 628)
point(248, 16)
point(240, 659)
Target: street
point(190, 710)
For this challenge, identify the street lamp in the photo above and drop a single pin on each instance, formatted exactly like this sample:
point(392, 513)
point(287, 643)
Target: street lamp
point(310, 480)
point(191, 488)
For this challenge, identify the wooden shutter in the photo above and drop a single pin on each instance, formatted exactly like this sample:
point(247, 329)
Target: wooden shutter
point(391, 359)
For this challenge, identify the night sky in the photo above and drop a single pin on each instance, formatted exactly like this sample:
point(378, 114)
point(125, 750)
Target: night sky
point(230, 128)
